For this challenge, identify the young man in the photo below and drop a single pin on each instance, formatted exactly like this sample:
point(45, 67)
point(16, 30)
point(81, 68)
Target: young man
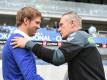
point(19, 63)
point(78, 50)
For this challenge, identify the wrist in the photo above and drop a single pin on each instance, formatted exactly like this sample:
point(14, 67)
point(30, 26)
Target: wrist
point(29, 45)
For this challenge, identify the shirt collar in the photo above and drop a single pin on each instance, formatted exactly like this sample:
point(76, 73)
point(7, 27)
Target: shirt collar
point(22, 33)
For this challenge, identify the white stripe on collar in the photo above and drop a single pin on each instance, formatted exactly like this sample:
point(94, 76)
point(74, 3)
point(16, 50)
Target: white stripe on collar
point(22, 33)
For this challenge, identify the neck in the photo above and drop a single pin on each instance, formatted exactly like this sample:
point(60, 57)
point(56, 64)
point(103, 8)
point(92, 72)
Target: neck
point(23, 29)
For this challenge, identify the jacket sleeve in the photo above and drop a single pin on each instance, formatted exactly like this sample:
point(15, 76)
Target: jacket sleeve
point(59, 56)
point(65, 53)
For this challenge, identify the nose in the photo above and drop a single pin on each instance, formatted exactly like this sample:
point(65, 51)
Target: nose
point(59, 29)
point(38, 27)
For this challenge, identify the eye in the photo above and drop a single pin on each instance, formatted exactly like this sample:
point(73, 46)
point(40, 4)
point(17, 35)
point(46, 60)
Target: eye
point(37, 22)
point(60, 24)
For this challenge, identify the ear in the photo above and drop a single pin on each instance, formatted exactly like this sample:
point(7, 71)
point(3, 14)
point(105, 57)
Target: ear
point(26, 20)
point(72, 23)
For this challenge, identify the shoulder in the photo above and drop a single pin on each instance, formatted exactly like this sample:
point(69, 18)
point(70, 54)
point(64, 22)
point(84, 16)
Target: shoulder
point(82, 34)
point(14, 35)
point(79, 38)
point(8, 42)
point(79, 35)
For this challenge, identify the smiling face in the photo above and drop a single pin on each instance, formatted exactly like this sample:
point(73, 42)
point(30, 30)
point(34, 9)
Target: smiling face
point(28, 20)
point(33, 25)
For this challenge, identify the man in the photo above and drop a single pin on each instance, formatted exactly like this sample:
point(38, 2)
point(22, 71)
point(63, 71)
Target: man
point(78, 50)
point(19, 63)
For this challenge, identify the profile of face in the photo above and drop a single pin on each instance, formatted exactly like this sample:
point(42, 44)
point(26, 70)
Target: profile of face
point(65, 27)
point(33, 25)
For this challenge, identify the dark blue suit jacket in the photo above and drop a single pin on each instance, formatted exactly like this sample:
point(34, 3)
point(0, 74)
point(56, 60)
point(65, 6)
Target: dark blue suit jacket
point(18, 63)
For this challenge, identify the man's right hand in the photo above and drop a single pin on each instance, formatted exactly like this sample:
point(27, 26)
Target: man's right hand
point(19, 42)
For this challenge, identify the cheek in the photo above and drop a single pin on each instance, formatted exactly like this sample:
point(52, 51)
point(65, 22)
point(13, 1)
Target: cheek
point(65, 30)
point(32, 26)
point(31, 29)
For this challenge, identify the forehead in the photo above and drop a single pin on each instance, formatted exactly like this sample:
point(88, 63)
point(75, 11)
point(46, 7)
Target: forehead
point(37, 18)
point(64, 18)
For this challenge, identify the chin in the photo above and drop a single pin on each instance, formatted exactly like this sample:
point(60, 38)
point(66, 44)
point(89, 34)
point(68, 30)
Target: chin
point(32, 35)
point(64, 37)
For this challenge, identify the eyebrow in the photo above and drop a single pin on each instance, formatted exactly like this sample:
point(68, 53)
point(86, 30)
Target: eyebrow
point(38, 21)
point(60, 23)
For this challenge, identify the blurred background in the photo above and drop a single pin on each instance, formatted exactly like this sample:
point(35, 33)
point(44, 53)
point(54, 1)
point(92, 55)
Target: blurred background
point(94, 21)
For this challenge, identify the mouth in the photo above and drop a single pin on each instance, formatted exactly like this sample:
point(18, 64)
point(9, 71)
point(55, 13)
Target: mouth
point(36, 30)
point(60, 33)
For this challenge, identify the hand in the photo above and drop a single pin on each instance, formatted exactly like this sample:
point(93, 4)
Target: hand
point(19, 42)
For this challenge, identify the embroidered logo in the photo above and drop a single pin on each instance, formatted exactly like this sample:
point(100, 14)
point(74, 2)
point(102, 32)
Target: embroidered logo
point(90, 40)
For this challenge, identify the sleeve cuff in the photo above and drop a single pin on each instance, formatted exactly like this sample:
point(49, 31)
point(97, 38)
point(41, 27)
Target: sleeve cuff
point(29, 45)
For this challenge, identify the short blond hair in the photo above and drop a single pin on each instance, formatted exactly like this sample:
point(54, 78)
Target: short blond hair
point(28, 12)
point(74, 15)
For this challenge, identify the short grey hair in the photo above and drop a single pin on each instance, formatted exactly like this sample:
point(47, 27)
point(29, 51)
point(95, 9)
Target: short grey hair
point(74, 15)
